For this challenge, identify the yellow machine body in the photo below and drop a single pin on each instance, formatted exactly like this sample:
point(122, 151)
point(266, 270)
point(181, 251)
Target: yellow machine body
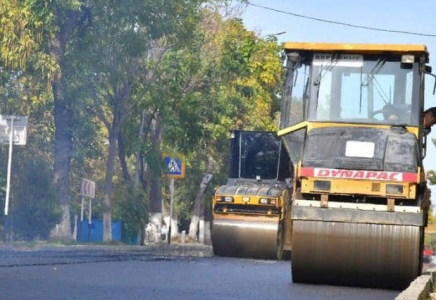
point(247, 226)
point(249, 208)
point(351, 121)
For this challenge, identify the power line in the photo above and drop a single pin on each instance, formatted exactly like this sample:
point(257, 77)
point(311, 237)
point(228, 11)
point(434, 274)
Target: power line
point(336, 22)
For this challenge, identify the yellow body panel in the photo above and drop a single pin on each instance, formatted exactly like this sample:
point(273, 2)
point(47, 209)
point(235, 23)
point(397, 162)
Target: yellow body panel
point(312, 125)
point(359, 187)
point(253, 200)
point(357, 48)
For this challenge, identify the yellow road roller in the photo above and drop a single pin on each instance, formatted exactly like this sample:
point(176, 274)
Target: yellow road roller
point(249, 208)
point(352, 123)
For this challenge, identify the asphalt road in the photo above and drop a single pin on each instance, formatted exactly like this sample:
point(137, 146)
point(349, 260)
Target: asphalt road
point(82, 273)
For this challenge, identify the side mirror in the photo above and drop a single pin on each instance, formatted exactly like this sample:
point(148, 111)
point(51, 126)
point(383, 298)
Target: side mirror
point(424, 145)
point(428, 72)
point(294, 60)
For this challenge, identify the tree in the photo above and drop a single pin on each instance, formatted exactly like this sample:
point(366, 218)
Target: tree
point(204, 90)
point(160, 80)
point(38, 38)
point(120, 62)
point(68, 19)
point(232, 78)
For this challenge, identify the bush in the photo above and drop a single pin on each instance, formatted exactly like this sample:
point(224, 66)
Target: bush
point(131, 207)
point(34, 209)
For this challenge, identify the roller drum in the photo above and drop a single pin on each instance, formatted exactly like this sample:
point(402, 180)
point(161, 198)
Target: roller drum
point(357, 254)
point(244, 236)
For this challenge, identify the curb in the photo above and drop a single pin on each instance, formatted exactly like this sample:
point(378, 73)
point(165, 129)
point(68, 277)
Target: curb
point(420, 288)
point(198, 250)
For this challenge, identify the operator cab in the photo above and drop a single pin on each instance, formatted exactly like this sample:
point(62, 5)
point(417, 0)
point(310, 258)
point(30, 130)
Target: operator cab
point(378, 86)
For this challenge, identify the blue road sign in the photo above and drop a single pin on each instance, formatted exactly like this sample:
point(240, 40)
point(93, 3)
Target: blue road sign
point(174, 165)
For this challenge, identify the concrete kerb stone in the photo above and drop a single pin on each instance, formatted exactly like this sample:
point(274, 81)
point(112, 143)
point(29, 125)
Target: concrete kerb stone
point(198, 250)
point(420, 288)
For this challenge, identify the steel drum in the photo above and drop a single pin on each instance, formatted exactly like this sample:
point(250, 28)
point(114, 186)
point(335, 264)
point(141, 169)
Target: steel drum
point(245, 236)
point(357, 254)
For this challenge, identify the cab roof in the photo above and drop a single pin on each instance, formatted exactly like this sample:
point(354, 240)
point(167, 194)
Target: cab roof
point(397, 49)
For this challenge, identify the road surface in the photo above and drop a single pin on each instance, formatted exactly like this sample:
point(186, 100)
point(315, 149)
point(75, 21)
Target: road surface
point(81, 273)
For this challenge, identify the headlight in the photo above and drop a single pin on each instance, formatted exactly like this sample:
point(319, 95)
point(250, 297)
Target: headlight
point(267, 201)
point(394, 189)
point(263, 201)
point(321, 185)
point(219, 198)
point(407, 59)
point(228, 199)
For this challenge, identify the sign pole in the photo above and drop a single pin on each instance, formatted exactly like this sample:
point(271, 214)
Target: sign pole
point(17, 130)
point(8, 184)
point(8, 181)
point(171, 209)
point(90, 212)
point(87, 189)
point(89, 219)
point(82, 208)
point(174, 168)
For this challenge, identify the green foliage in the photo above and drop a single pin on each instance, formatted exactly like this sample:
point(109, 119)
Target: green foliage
point(227, 79)
point(34, 210)
point(194, 73)
point(24, 27)
point(130, 206)
point(430, 239)
point(431, 175)
point(196, 168)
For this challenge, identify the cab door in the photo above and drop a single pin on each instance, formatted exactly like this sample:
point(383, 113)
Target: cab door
point(294, 105)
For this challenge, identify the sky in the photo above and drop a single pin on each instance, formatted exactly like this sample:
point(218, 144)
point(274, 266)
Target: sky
point(417, 17)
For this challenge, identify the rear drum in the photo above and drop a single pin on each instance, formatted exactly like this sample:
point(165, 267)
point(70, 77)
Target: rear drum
point(357, 254)
point(245, 236)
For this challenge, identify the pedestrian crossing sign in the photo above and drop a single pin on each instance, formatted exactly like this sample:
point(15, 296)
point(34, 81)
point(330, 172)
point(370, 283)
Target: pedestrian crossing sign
point(174, 165)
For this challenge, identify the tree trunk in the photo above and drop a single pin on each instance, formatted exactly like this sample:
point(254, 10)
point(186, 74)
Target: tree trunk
point(198, 215)
point(156, 186)
point(110, 167)
point(207, 234)
point(62, 164)
point(119, 114)
point(122, 158)
point(138, 166)
point(174, 221)
point(63, 144)
point(143, 170)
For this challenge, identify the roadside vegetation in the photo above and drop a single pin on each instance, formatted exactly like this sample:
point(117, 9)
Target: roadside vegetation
point(108, 88)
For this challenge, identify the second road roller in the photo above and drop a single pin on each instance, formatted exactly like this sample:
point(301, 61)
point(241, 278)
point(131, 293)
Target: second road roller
point(248, 210)
point(352, 124)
